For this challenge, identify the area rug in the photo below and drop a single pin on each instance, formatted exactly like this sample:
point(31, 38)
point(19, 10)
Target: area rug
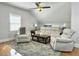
point(34, 49)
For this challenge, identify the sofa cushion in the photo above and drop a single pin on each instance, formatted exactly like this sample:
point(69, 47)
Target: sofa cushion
point(64, 40)
point(37, 32)
point(68, 32)
point(66, 36)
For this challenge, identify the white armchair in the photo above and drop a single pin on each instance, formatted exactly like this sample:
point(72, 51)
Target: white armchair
point(23, 36)
point(63, 42)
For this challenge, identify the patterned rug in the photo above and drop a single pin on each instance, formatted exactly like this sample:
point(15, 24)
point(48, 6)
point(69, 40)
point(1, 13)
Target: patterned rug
point(34, 49)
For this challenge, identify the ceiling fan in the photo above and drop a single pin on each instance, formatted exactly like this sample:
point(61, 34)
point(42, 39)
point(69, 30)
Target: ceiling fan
point(40, 7)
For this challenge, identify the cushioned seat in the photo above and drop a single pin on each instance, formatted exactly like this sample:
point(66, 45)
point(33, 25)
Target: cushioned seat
point(63, 42)
point(24, 36)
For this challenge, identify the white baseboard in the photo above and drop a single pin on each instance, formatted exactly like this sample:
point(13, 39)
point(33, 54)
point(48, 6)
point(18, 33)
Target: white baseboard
point(5, 40)
point(76, 45)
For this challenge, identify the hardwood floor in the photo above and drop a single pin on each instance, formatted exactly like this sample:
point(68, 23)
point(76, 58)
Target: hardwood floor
point(75, 52)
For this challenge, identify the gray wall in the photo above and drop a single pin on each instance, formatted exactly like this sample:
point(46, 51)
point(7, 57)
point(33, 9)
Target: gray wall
point(75, 20)
point(59, 13)
point(75, 16)
point(27, 19)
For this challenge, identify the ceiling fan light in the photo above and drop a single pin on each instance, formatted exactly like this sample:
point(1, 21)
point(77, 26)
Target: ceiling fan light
point(39, 9)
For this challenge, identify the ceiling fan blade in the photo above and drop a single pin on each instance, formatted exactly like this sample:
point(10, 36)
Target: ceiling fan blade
point(33, 8)
point(37, 4)
point(46, 7)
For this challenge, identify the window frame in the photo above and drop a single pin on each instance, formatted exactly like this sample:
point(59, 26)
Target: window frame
point(16, 16)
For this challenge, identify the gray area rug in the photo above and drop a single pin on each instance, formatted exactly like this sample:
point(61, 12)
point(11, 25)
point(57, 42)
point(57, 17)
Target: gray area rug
point(34, 49)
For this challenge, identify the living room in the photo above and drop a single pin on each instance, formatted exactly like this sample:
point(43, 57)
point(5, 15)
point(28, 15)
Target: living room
point(48, 28)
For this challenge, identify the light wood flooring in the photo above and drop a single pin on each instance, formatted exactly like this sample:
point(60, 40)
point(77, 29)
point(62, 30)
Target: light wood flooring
point(75, 52)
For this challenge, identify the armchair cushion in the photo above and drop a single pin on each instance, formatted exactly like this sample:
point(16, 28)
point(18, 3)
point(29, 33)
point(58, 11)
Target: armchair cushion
point(66, 36)
point(68, 32)
point(22, 30)
point(64, 40)
point(22, 36)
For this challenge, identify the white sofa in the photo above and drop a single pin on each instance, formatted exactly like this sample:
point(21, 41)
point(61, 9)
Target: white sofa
point(63, 42)
point(51, 31)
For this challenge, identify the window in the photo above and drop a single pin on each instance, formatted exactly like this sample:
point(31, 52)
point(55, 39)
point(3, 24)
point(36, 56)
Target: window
point(15, 22)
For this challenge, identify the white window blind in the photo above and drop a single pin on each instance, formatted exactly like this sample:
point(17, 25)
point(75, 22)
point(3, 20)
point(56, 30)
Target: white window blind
point(15, 22)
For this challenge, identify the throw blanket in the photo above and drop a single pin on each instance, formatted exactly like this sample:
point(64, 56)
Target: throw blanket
point(13, 52)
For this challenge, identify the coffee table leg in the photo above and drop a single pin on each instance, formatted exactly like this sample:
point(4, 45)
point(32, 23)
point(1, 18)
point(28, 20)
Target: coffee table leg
point(45, 41)
point(38, 39)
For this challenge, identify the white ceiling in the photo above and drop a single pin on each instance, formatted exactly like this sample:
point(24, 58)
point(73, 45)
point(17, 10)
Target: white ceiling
point(23, 5)
point(59, 11)
point(29, 5)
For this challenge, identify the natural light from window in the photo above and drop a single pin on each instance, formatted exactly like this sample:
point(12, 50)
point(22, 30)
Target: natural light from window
point(15, 22)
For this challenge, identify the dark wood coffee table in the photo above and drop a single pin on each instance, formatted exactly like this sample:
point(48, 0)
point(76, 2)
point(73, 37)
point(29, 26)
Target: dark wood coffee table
point(41, 38)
